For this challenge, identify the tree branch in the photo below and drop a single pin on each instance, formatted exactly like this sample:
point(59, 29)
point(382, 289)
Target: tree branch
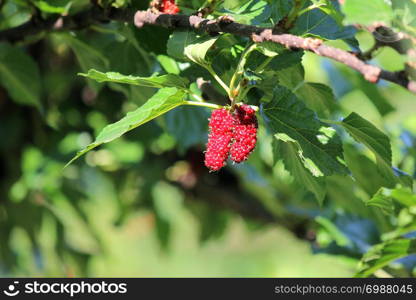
point(401, 42)
point(258, 35)
point(78, 21)
point(97, 15)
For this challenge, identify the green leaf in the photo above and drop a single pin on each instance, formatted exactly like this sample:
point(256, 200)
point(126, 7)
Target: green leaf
point(291, 77)
point(338, 236)
point(404, 196)
point(127, 58)
point(385, 197)
point(169, 64)
point(187, 45)
point(254, 12)
point(366, 133)
point(279, 9)
point(367, 12)
point(285, 60)
point(364, 170)
point(285, 68)
point(213, 223)
point(197, 49)
point(287, 114)
point(317, 23)
point(14, 14)
point(19, 75)
point(399, 231)
point(163, 101)
point(318, 97)
point(405, 16)
point(288, 150)
point(373, 93)
point(169, 80)
point(87, 56)
point(270, 49)
point(54, 7)
point(234, 4)
point(382, 201)
point(382, 254)
point(332, 11)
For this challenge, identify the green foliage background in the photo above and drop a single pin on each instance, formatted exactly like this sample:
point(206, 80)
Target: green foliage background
point(327, 192)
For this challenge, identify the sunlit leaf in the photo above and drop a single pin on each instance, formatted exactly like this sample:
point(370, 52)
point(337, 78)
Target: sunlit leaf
point(318, 23)
point(163, 101)
point(379, 143)
point(384, 198)
point(363, 12)
point(382, 254)
point(55, 7)
point(382, 201)
point(187, 45)
point(169, 80)
point(287, 114)
point(287, 149)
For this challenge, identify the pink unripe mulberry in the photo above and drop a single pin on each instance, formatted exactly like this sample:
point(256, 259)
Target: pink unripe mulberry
point(221, 126)
point(245, 133)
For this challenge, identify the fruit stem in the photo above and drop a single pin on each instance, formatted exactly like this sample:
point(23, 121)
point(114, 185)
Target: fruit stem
point(195, 96)
point(218, 79)
point(240, 67)
point(203, 104)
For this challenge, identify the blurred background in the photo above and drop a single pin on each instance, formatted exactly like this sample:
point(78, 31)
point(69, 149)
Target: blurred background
point(145, 205)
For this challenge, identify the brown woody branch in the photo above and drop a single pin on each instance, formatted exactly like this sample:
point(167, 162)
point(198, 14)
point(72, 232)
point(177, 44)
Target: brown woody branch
point(258, 35)
point(96, 15)
point(81, 20)
point(401, 42)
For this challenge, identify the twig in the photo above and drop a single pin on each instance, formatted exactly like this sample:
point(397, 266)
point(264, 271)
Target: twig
point(258, 35)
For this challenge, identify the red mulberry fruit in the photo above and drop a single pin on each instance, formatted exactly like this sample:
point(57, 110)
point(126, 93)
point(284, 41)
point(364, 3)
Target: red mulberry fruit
point(221, 126)
point(245, 133)
point(169, 7)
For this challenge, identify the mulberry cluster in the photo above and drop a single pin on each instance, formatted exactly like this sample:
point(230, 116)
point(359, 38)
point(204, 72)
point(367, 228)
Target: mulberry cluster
point(230, 134)
point(245, 133)
point(169, 7)
point(221, 125)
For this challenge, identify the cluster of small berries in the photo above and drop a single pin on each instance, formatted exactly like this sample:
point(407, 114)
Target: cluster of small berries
point(169, 7)
point(233, 134)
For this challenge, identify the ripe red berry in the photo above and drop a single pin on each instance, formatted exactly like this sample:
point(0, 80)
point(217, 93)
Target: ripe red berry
point(245, 133)
point(221, 126)
point(169, 7)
